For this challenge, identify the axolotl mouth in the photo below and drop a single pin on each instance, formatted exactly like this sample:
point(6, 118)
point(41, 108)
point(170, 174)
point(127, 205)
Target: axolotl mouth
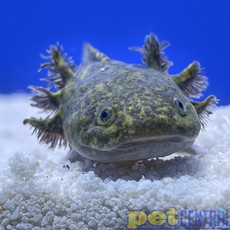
point(137, 149)
point(145, 141)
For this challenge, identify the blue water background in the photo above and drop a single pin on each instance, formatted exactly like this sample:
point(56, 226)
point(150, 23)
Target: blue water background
point(196, 29)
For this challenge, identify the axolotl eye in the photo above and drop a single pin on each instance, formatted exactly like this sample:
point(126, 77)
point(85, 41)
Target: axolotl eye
point(181, 107)
point(105, 116)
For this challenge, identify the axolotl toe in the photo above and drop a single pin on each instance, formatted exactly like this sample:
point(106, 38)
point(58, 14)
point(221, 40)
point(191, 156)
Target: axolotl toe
point(109, 111)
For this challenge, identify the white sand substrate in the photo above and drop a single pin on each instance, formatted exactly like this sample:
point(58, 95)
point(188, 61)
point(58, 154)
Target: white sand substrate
point(41, 189)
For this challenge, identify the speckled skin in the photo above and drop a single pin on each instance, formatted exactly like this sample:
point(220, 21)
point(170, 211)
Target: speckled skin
point(149, 115)
point(145, 123)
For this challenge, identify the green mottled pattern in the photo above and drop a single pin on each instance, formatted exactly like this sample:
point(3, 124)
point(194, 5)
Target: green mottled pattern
point(145, 120)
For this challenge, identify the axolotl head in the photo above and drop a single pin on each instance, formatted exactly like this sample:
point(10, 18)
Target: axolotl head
point(129, 113)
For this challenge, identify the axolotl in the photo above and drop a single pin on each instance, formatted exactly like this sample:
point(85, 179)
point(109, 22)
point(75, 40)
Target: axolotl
point(109, 111)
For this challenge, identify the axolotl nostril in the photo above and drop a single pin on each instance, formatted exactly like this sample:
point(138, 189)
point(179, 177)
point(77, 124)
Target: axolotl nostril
point(110, 111)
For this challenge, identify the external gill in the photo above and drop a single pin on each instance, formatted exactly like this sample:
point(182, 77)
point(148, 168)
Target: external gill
point(44, 99)
point(60, 66)
point(191, 80)
point(153, 55)
point(203, 108)
point(49, 130)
